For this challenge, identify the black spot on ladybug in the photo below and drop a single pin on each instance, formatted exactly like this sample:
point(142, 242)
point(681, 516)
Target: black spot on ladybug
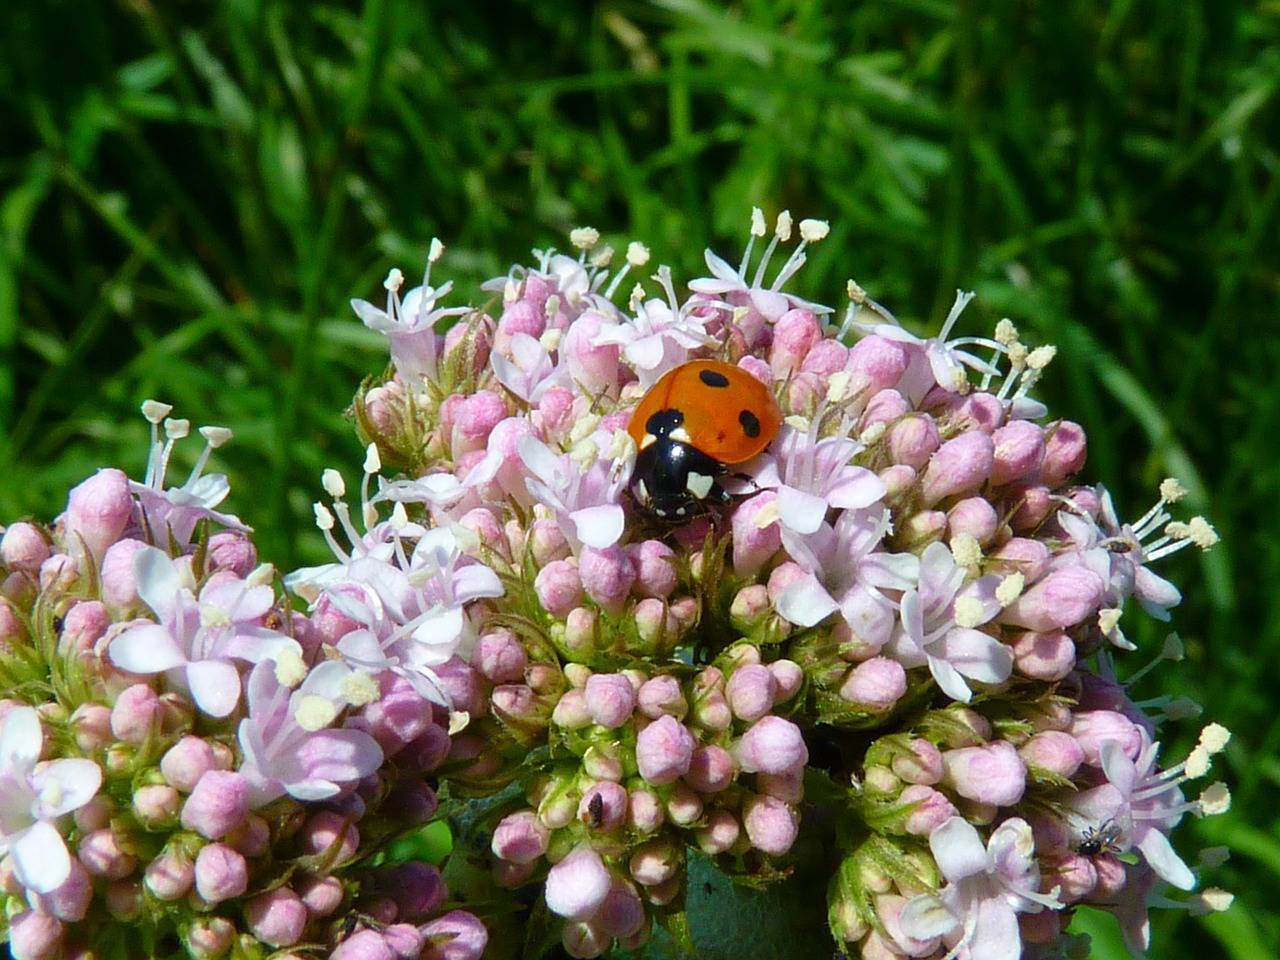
point(750, 423)
point(663, 422)
point(713, 378)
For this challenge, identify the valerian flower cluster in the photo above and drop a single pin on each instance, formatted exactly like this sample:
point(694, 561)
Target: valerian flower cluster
point(911, 602)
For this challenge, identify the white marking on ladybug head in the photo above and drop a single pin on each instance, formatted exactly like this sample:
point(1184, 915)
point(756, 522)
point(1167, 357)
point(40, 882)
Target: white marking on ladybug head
point(681, 435)
point(648, 441)
point(699, 484)
point(680, 511)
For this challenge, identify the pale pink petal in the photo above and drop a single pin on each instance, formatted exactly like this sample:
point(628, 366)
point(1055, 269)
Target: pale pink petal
point(158, 583)
point(214, 685)
point(476, 581)
point(801, 511)
point(857, 488)
point(146, 649)
point(869, 615)
point(600, 526)
point(77, 781)
point(20, 739)
point(958, 850)
point(537, 456)
point(1120, 770)
point(340, 756)
point(806, 602)
point(975, 654)
point(949, 680)
point(926, 916)
point(40, 857)
point(995, 935)
point(1165, 861)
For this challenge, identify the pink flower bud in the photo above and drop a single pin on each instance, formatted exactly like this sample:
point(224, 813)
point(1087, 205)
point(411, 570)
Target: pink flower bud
point(771, 824)
point(754, 543)
point(751, 691)
point(655, 569)
point(885, 407)
point(922, 765)
point(645, 812)
point(783, 576)
point(1044, 656)
point(684, 806)
point(251, 837)
point(787, 787)
point(794, 335)
point(923, 528)
point(772, 745)
point(1019, 448)
point(603, 806)
point(70, 901)
point(186, 762)
point(364, 945)
point(12, 632)
point(455, 936)
point(750, 608)
point(710, 707)
point(478, 414)
point(91, 727)
point(876, 363)
point(217, 805)
point(404, 939)
point(232, 551)
point(974, 516)
point(592, 364)
point(520, 837)
point(1111, 876)
point(710, 769)
point(607, 576)
point(571, 711)
point(622, 913)
point(35, 936)
point(719, 834)
point(577, 885)
point(57, 574)
point(1065, 597)
point(321, 895)
point(655, 862)
point(664, 750)
point(1093, 728)
point(826, 357)
point(123, 899)
point(1064, 452)
point(98, 510)
point(788, 676)
point(276, 917)
point(520, 316)
point(170, 875)
point(101, 855)
point(221, 873)
point(1035, 503)
point(978, 410)
point(83, 626)
point(324, 831)
point(875, 685)
point(1022, 555)
point(611, 699)
point(913, 440)
point(500, 657)
point(662, 695)
point(24, 548)
point(136, 714)
point(932, 809)
point(156, 805)
point(210, 937)
point(960, 465)
point(758, 368)
point(1054, 751)
point(992, 774)
point(1074, 875)
point(464, 686)
point(417, 888)
point(415, 802)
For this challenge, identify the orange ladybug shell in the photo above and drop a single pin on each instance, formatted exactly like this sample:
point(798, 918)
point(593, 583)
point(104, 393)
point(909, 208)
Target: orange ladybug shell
point(729, 414)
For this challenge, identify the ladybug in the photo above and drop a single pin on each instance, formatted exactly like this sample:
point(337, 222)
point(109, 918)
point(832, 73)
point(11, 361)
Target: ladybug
point(692, 425)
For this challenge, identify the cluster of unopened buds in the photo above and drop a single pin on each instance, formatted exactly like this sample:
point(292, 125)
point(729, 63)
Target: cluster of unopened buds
point(899, 591)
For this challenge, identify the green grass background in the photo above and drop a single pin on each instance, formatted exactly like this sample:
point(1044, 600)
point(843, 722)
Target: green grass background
point(191, 192)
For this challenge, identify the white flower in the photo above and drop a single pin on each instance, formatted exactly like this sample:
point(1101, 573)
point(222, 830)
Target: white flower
point(33, 796)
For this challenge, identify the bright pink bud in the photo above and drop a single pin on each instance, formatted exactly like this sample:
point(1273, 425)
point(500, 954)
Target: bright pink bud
point(875, 685)
point(794, 335)
point(710, 770)
point(186, 762)
point(992, 774)
point(232, 551)
point(1022, 555)
point(978, 410)
point(276, 917)
point(1093, 728)
point(611, 699)
point(974, 516)
point(98, 510)
point(521, 316)
point(252, 837)
point(655, 569)
point(464, 686)
point(455, 936)
point(751, 691)
point(876, 363)
point(1054, 751)
point(217, 805)
point(83, 626)
point(221, 873)
point(592, 364)
point(772, 745)
point(500, 657)
point(101, 855)
point(404, 939)
point(170, 875)
point(1066, 597)
point(1064, 453)
point(70, 901)
point(664, 750)
point(771, 824)
point(91, 727)
point(897, 480)
point(788, 676)
point(960, 465)
point(783, 576)
point(520, 837)
point(603, 806)
point(578, 884)
point(719, 834)
point(885, 407)
point(136, 714)
point(57, 574)
point(24, 547)
point(364, 945)
point(932, 809)
point(754, 543)
point(826, 357)
point(156, 805)
point(607, 576)
point(478, 414)
point(622, 913)
point(913, 440)
point(1019, 448)
point(1044, 656)
point(1035, 503)
point(324, 831)
point(322, 895)
point(662, 695)
point(922, 765)
point(35, 936)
